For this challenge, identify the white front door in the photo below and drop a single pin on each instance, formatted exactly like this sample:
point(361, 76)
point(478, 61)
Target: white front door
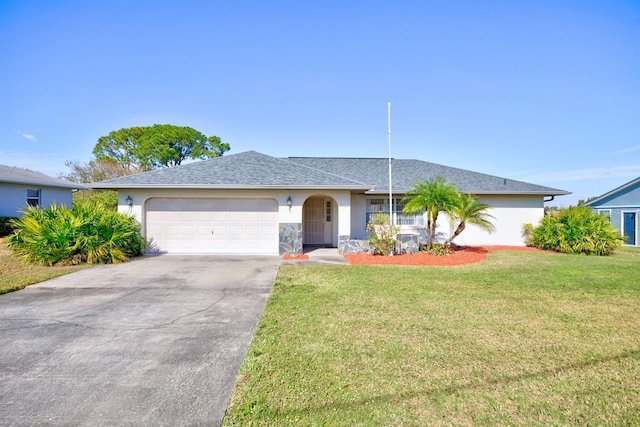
point(317, 221)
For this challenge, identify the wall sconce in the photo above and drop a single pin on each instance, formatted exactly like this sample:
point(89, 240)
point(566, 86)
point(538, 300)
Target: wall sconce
point(129, 201)
point(289, 201)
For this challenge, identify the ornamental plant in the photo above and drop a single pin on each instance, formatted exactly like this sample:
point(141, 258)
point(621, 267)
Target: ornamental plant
point(382, 234)
point(86, 233)
point(574, 230)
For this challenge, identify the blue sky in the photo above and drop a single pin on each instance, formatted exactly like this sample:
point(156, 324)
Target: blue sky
point(541, 91)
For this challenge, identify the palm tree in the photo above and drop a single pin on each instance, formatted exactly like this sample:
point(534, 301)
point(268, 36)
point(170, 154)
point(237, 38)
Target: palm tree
point(469, 210)
point(432, 197)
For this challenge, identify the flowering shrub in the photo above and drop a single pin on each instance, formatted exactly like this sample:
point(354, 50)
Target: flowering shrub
point(382, 234)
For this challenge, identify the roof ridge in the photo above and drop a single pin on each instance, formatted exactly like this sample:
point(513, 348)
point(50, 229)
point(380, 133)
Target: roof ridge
point(322, 171)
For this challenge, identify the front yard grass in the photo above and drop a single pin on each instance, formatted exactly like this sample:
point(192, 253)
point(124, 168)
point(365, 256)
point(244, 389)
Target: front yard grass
point(519, 339)
point(16, 274)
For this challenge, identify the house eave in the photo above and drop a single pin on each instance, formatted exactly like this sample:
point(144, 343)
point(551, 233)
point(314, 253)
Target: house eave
point(487, 193)
point(70, 186)
point(229, 187)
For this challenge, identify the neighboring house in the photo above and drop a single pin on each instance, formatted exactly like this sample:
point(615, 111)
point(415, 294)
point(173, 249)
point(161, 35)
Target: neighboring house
point(251, 203)
point(20, 188)
point(622, 206)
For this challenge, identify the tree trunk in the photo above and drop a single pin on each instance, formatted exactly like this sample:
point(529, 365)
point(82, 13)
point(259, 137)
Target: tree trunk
point(459, 229)
point(432, 232)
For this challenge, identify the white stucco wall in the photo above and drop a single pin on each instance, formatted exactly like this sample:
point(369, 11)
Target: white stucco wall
point(358, 217)
point(286, 214)
point(13, 197)
point(510, 212)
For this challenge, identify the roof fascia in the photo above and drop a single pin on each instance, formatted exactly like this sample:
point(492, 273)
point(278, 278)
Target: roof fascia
point(231, 187)
point(492, 193)
point(71, 185)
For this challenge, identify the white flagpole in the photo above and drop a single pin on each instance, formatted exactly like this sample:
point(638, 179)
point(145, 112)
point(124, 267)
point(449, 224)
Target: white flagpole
point(391, 219)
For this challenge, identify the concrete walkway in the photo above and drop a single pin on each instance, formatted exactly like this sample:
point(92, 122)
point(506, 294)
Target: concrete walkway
point(319, 256)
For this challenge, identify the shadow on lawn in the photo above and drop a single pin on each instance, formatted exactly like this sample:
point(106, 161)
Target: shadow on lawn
point(400, 397)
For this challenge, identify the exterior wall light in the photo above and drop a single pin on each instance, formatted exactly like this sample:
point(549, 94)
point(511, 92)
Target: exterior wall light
point(129, 201)
point(289, 201)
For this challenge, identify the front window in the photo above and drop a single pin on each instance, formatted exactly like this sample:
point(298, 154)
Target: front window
point(382, 206)
point(33, 197)
point(606, 213)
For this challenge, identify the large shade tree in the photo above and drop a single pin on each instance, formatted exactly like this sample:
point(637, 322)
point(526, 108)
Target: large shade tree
point(430, 198)
point(157, 146)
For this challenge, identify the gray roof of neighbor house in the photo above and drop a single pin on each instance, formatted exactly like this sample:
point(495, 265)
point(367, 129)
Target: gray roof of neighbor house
point(369, 175)
point(14, 175)
point(614, 192)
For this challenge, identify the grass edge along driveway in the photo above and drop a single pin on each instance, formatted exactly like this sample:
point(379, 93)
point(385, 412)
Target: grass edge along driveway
point(16, 274)
point(519, 339)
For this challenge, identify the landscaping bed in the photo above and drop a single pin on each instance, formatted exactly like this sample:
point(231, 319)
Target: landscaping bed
point(466, 255)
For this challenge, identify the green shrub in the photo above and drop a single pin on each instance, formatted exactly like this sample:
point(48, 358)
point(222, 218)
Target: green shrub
point(437, 249)
point(382, 234)
point(105, 198)
point(574, 230)
point(5, 225)
point(86, 233)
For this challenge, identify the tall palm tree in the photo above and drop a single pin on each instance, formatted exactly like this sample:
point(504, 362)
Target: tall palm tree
point(432, 197)
point(469, 210)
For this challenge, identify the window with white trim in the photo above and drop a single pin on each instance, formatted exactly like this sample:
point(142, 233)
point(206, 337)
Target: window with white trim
point(33, 197)
point(375, 206)
point(605, 212)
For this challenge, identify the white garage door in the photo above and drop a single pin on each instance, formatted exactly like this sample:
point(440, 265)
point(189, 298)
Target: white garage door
point(213, 226)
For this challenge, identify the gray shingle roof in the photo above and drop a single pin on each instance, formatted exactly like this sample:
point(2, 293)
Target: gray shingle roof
point(255, 170)
point(405, 172)
point(15, 175)
point(245, 170)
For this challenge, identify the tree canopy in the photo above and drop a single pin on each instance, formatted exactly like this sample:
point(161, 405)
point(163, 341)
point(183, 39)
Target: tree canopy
point(96, 170)
point(431, 197)
point(158, 146)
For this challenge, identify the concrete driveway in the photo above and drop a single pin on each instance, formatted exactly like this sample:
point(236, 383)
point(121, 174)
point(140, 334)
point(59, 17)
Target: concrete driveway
point(155, 341)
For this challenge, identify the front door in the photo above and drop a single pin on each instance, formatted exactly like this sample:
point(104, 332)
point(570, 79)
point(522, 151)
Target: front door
point(629, 227)
point(317, 221)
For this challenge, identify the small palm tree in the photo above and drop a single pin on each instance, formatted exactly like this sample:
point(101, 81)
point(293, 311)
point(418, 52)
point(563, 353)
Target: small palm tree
point(432, 197)
point(469, 210)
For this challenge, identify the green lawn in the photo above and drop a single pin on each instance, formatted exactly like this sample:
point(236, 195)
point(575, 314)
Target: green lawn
point(519, 339)
point(16, 274)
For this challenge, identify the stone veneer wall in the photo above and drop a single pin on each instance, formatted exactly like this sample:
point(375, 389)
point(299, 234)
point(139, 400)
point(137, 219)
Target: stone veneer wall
point(409, 244)
point(290, 238)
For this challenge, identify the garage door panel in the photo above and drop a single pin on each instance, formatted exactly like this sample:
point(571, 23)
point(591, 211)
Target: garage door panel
point(252, 230)
point(171, 216)
point(203, 216)
point(181, 225)
point(220, 216)
point(236, 230)
point(188, 230)
point(172, 230)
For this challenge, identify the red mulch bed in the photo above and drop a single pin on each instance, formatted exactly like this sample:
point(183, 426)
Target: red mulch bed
point(295, 257)
point(467, 255)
